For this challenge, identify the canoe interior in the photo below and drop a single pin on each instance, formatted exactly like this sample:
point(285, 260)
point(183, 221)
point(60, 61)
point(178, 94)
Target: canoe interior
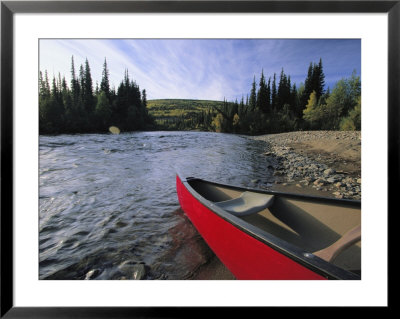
point(306, 223)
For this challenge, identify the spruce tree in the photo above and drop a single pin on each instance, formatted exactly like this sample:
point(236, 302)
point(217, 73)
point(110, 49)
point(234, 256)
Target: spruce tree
point(66, 96)
point(253, 96)
point(319, 79)
point(268, 93)
point(241, 107)
point(308, 86)
point(105, 82)
point(103, 112)
point(74, 82)
point(262, 96)
point(54, 89)
point(44, 91)
point(144, 98)
point(294, 99)
point(234, 108)
point(274, 94)
point(283, 96)
point(88, 98)
point(46, 82)
point(82, 83)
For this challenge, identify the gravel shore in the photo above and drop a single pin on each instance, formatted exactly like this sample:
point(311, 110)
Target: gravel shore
point(326, 163)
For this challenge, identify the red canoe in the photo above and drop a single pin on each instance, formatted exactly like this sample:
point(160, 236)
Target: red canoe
point(270, 235)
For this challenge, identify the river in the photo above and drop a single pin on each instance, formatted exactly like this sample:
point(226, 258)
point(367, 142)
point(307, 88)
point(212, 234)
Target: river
point(108, 207)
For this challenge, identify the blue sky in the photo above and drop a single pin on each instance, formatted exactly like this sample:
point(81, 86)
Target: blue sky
point(211, 69)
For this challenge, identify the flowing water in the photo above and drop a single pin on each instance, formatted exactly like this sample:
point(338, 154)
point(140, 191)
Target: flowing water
point(108, 207)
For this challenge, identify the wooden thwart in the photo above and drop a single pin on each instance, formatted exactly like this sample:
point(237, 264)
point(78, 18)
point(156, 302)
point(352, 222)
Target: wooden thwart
point(348, 239)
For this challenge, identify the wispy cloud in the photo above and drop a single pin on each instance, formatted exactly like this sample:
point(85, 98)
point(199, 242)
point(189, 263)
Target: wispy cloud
point(200, 68)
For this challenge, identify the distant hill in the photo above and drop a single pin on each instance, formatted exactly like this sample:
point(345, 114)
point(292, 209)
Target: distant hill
point(180, 113)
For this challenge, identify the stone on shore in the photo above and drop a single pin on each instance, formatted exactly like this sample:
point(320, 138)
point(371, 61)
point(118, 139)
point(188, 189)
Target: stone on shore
point(328, 161)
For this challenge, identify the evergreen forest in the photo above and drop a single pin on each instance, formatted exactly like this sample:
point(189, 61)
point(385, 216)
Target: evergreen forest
point(273, 105)
point(78, 108)
point(276, 105)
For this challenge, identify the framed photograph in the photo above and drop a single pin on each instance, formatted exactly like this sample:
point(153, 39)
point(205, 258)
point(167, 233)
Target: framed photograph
point(202, 85)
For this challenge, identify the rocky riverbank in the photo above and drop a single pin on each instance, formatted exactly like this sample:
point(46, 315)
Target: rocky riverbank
point(326, 163)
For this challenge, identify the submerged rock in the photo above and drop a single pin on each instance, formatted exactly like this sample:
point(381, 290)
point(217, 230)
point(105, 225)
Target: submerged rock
point(92, 274)
point(139, 272)
point(130, 269)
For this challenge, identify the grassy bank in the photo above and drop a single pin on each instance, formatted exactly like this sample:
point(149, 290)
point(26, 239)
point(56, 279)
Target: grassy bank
point(179, 114)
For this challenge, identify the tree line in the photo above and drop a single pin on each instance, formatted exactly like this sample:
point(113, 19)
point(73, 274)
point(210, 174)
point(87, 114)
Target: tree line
point(275, 106)
point(80, 108)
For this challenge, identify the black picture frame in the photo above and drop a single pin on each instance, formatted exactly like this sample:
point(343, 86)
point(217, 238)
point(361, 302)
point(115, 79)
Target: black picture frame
point(9, 8)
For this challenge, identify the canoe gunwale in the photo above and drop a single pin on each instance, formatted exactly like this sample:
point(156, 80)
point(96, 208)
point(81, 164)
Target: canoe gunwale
point(303, 257)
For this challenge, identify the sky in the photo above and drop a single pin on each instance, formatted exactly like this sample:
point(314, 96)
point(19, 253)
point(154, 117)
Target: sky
point(205, 69)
